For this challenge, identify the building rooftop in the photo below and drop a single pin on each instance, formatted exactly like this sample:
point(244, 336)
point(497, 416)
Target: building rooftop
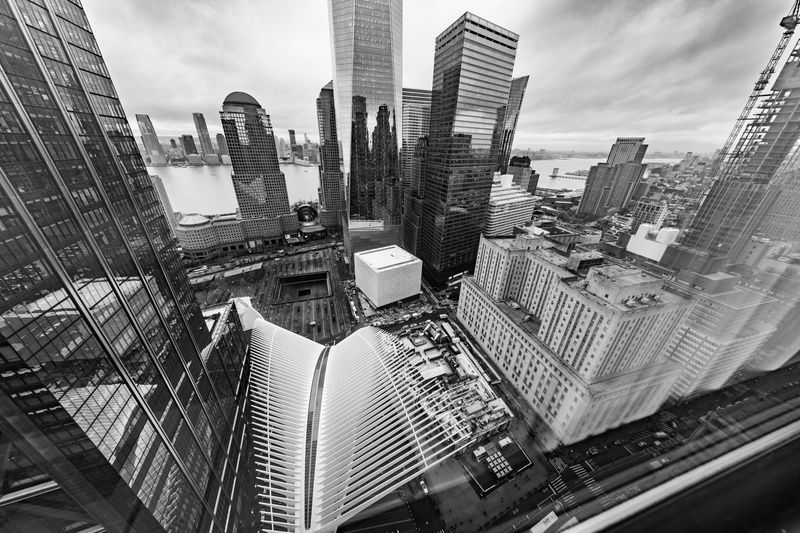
point(386, 257)
point(194, 219)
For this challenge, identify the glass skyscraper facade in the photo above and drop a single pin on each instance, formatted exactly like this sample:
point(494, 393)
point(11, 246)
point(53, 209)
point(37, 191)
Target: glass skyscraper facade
point(331, 180)
point(202, 133)
point(515, 96)
point(472, 70)
point(416, 122)
point(259, 184)
point(367, 65)
point(188, 145)
point(117, 409)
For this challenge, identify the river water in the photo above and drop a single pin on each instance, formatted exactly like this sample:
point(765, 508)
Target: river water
point(209, 190)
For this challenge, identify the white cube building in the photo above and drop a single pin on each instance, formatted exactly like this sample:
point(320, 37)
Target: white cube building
point(388, 274)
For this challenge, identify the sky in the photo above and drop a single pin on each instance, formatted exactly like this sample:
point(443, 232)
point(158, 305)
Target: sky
point(674, 71)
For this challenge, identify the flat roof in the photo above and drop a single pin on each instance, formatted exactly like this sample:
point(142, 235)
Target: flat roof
point(386, 257)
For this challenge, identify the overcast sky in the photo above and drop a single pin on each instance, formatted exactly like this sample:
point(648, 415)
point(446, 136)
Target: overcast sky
point(674, 71)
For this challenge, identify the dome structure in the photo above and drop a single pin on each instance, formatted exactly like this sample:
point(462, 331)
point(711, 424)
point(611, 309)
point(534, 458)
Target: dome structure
point(194, 219)
point(240, 98)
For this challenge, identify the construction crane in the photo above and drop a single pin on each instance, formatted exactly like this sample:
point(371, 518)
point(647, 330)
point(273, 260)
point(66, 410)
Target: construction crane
point(751, 125)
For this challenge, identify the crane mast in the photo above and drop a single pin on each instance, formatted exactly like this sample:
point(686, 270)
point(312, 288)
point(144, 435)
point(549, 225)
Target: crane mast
point(739, 143)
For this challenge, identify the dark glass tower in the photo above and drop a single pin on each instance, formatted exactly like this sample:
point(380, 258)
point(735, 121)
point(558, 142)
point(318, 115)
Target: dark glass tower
point(112, 412)
point(367, 64)
point(188, 145)
point(471, 81)
point(202, 134)
point(515, 96)
point(331, 180)
point(222, 144)
point(611, 185)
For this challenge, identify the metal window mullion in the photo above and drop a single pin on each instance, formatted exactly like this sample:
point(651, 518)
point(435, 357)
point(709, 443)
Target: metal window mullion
point(123, 174)
point(49, 256)
point(93, 244)
point(66, 280)
point(104, 196)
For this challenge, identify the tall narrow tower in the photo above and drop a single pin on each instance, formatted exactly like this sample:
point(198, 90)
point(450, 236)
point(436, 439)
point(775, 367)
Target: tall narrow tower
point(116, 412)
point(515, 96)
point(471, 82)
point(202, 133)
point(331, 180)
point(149, 137)
point(367, 84)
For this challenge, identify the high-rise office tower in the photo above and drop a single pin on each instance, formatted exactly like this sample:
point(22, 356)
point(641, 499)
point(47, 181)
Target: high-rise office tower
point(367, 84)
point(173, 143)
point(118, 411)
point(743, 190)
point(259, 184)
point(188, 145)
point(611, 185)
point(331, 180)
point(149, 137)
point(222, 144)
point(471, 81)
point(292, 139)
point(416, 123)
point(515, 96)
point(202, 134)
point(626, 150)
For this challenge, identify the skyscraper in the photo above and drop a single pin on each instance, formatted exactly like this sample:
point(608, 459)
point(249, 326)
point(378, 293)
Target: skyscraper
point(611, 185)
point(416, 123)
point(259, 184)
point(367, 84)
point(149, 137)
point(118, 411)
point(471, 81)
point(222, 144)
point(202, 134)
point(188, 145)
point(515, 96)
point(331, 180)
point(163, 199)
point(743, 190)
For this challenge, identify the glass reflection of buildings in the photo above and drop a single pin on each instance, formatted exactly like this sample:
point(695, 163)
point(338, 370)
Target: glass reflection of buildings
point(515, 96)
point(472, 70)
point(367, 56)
point(118, 410)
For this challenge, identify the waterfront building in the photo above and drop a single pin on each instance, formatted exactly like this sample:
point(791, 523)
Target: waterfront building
point(375, 398)
point(583, 342)
point(473, 63)
point(416, 123)
point(188, 145)
point(366, 43)
point(515, 96)
point(173, 144)
point(222, 144)
point(119, 411)
point(611, 185)
point(387, 275)
point(202, 134)
point(331, 180)
point(152, 146)
point(163, 199)
point(259, 184)
point(524, 176)
point(509, 206)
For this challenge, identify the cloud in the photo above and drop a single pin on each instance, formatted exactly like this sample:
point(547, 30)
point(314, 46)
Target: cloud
point(675, 71)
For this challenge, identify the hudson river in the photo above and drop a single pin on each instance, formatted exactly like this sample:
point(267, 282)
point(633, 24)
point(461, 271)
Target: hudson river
point(209, 190)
